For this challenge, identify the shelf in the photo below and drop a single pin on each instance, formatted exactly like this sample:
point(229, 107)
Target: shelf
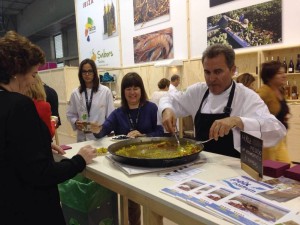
point(293, 74)
point(109, 82)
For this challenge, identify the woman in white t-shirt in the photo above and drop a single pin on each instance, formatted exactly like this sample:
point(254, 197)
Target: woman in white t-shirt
point(163, 86)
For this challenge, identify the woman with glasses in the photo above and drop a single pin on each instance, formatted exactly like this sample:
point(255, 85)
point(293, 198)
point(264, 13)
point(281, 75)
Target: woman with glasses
point(90, 103)
point(274, 78)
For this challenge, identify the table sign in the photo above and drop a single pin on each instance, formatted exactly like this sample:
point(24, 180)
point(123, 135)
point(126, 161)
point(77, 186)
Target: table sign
point(251, 155)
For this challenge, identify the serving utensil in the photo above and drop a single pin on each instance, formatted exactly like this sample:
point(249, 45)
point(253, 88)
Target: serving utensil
point(202, 142)
point(175, 134)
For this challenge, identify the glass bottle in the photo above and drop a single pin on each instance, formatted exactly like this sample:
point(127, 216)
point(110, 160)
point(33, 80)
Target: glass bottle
point(294, 90)
point(284, 64)
point(287, 90)
point(297, 69)
point(278, 59)
point(291, 66)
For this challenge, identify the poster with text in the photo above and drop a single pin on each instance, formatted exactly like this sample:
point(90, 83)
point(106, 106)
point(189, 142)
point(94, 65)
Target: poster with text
point(255, 25)
point(97, 32)
point(154, 46)
point(150, 12)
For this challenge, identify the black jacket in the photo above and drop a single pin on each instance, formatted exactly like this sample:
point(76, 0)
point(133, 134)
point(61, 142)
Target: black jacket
point(29, 174)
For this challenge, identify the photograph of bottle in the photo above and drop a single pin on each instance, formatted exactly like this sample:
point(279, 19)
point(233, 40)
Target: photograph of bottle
point(109, 19)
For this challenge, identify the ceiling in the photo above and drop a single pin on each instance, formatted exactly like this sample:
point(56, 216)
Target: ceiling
point(9, 10)
point(13, 8)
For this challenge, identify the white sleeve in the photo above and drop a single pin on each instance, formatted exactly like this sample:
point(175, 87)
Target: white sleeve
point(72, 114)
point(258, 121)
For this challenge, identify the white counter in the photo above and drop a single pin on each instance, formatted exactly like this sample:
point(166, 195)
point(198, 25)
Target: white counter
point(145, 189)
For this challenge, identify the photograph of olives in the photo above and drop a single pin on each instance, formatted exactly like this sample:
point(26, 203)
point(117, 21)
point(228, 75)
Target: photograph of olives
point(153, 46)
point(150, 12)
point(255, 25)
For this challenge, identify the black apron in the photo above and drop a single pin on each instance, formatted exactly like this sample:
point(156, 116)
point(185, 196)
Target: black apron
point(203, 122)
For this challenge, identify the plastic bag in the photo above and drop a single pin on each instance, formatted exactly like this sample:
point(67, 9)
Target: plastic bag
point(84, 202)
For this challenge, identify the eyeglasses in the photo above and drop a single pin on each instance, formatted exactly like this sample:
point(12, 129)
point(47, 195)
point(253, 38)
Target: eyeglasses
point(87, 72)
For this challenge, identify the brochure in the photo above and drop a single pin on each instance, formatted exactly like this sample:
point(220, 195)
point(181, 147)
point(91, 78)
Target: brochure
point(248, 209)
point(183, 189)
point(284, 190)
point(247, 184)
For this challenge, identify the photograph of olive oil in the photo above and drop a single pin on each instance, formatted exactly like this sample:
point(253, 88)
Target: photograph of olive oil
point(109, 19)
point(154, 46)
point(150, 12)
point(255, 25)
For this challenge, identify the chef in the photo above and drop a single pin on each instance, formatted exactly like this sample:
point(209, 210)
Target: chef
point(221, 108)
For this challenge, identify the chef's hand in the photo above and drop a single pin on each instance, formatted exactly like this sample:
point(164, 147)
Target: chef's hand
point(95, 127)
point(169, 120)
point(88, 153)
point(221, 127)
point(135, 134)
point(56, 149)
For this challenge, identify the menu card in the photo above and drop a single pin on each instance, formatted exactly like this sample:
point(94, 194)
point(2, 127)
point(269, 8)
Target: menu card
point(251, 155)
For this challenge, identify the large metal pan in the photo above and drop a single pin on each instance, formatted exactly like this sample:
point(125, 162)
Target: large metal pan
point(153, 162)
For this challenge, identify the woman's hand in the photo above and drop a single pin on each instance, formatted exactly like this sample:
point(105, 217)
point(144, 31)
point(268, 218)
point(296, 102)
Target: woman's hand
point(57, 149)
point(88, 153)
point(95, 127)
point(135, 134)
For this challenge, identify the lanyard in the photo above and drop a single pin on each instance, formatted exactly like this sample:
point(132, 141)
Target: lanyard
point(133, 124)
point(88, 102)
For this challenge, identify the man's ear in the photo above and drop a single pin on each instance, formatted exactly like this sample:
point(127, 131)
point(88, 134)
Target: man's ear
point(233, 70)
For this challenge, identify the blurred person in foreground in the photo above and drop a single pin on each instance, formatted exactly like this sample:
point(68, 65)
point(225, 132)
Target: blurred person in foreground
point(91, 102)
point(37, 93)
point(28, 190)
point(221, 108)
point(274, 78)
point(247, 79)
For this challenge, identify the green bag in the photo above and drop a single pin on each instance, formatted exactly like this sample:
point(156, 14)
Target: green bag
point(84, 202)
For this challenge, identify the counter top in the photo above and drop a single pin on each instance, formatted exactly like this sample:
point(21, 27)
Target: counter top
point(145, 188)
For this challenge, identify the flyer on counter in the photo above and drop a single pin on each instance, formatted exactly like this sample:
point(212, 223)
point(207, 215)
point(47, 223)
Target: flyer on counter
point(247, 184)
point(251, 209)
point(284, 190)
point(183, 189)
point(203, 197)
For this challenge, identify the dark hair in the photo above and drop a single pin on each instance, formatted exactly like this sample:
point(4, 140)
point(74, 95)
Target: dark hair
point(269, 70)
point(246, 79)
point(17, 56)
point(129, 80)
point(163, 83)
point(219, 49)
point(175, 77)
point(82, 86)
